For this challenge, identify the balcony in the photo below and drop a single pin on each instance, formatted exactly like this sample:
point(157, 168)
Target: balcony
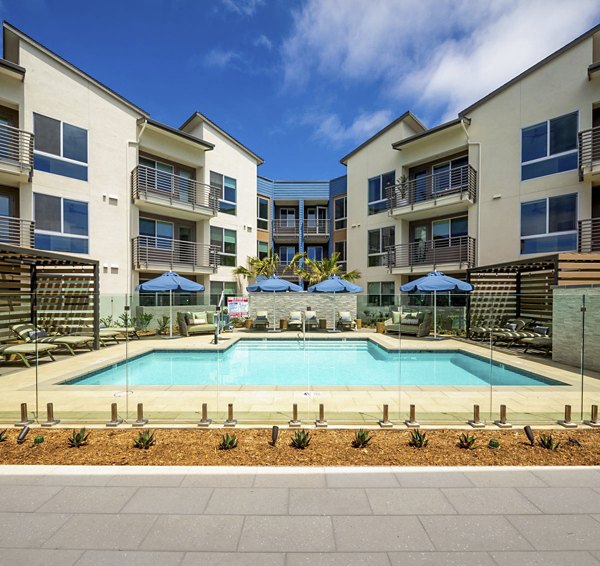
point(316, 231)
point(160, 192)
point(284, 273)
point(16, 155)
point(588, 237)
point(444, 254)
point(17, 232)
point(286, 230)
point(452, 190)
point(589, 154)
point(163, 254)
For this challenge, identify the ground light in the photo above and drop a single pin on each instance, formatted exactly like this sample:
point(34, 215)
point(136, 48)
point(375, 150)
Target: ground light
point(23, 434)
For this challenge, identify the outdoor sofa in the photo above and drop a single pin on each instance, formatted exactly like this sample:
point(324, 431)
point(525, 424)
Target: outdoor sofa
point(413, 323)
point(193, 323)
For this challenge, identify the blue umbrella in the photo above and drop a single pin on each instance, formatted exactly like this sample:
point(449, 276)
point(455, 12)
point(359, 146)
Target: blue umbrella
point(334, 284)
point(434, 282)
point(170, 281)
point(273, 284)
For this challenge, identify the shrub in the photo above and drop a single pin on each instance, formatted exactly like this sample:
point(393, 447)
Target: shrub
point(78, 438)
point(361, 439)
point(466, 442)
point(144, 440)
point(38, 439)
point(418, 439)
point(494, 443)
point(547, 441)
point(3, 435)
point(228, 442)
point(301, 439)
point(163, 324)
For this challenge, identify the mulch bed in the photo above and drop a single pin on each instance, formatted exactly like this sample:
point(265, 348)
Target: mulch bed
point(191, 447)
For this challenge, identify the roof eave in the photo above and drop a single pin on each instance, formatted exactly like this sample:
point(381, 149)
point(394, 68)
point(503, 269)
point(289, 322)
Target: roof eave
point(397, 145)
point(175, 132)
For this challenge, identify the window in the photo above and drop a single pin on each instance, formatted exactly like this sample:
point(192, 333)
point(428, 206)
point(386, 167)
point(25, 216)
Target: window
point(379, 241)
point(377, 191)
point(340, 248)
point(442, 231)
point(549, 147)
point(262, 221)
point(449, 174)
point(156, 234)
point(61, 225)
point(339, 212)
point(286, 254)
point(549, 224)
point(287, 217)
point(314, 253)
point(262, 249)
point(226, 244)
point(60, 148)
point(380, 293)
point(228, 189)
point(216, 287)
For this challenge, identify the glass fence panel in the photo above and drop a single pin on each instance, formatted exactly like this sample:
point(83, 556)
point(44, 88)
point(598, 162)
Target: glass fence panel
point(590, 368)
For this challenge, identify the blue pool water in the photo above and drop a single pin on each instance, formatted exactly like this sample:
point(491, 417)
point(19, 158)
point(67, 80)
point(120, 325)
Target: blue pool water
point(322, 362)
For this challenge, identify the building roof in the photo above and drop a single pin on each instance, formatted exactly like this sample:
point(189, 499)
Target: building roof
point(408, 114)
point(203, 118)
point(7, 27)
point(176, 132)
point(12, 68)
point(426, 133)
point(532, 69)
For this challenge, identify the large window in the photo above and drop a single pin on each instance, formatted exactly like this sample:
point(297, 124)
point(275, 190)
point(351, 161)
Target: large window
point(442, 231)
point(380, 293)
point(340, 248)
point(226, 243)
point(262, 220)
point(314, 253)
point(549, 147)
point(61, 225)
point(228, 189)
point(216, 287)
point(286, 254)
point(549, 224)
point(377, 191)
point(339, 213)
point(262, 249)
point(156, 233)
point(60, 148)
point(379, 241)
point(449, 174)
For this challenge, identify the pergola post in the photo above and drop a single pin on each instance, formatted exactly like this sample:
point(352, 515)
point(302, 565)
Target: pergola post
point(96, 306)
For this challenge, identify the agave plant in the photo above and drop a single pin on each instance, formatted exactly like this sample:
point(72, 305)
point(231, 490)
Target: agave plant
point(466, 441)
point(78, 438)
point(418, 439)
point(39, 439)
point(144, 440)
point(361, 439)
point(301, 439)
point(547, 441)
point(228, 442)
point(494, 443)
point(3, 435)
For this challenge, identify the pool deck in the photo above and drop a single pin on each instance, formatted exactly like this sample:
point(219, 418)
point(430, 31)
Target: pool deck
point(256, 405)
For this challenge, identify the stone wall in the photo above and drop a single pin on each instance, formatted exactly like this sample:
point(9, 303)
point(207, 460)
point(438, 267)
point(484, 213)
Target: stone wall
point(322, 303)
point(567, 326)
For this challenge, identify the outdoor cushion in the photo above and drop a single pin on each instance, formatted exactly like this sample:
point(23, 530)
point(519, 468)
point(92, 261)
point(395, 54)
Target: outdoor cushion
point(396, 317)
point(310, 315)
point(201, 328)
point(296, 315)
point(210, 317)
point(37, 334)
point(541, 329)
point(411, 322)
point(199, 320)
point(261, 314)
point(510, 326)
point(345, 316)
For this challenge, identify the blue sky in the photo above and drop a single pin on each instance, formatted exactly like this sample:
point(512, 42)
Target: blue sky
point(302, 83)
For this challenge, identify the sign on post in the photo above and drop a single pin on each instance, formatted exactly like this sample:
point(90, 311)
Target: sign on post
point(237, 307)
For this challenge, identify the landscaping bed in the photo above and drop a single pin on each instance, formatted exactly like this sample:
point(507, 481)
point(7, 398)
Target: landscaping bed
point(198, 447)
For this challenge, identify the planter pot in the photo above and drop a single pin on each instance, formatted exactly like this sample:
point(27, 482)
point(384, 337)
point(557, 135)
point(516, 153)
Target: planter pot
point(248, 324)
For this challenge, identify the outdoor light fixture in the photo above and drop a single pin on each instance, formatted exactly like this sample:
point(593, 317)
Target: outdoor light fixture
point(529, 434)
point(274, 435)
point(23, 435)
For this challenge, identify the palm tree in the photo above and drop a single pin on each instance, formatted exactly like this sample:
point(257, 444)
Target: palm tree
point(315, 271)
point(266, 266)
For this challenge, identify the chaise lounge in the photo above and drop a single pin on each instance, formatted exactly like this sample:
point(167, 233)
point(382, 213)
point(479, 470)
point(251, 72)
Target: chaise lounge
point(310, 320)
point(31, 334)
point(295, 320)
point(25, 351)
point(345, 321)
point(261, 322)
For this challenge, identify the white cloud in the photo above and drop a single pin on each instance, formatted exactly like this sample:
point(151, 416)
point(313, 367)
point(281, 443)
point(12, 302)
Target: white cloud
point(438, 54)
point(263, 41)
point(221, 58)
point(243, 7)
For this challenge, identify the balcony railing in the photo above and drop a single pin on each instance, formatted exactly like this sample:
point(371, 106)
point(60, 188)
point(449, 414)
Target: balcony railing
point(286, 228)
point(16, 147)
point(151, 184)
point(589, 148)
point(149, 251)
point(588, 239)
point(316, 227)
point(459, 181)
point(17, 232)
point(460, 250)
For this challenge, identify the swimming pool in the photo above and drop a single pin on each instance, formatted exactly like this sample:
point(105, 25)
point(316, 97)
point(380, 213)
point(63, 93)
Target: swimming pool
point(319, 363)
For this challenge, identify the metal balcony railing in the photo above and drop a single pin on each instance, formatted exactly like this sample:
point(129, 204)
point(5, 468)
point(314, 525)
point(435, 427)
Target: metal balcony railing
point(16, 147)
point(460, 249)
point(17, 232)
point(316, 227)
point(461, 181)
point(588, 236)
point(151, 184)
point(149, 251)
point(589, 148)
point(287, 228)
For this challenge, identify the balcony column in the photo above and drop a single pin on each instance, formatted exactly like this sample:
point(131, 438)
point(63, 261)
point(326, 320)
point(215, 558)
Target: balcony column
point(301, 228)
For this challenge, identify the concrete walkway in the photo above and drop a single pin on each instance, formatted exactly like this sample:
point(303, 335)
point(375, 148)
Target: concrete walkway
point(183, 516)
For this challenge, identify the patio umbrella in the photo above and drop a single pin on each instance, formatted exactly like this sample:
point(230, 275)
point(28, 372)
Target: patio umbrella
point(335, 284)
point(170, 281)
point(273, 284)
point(434, 282)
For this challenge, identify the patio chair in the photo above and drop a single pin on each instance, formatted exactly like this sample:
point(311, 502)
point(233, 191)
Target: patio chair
point(23, 351)
point(345, 321)
point(31, 334)
point(295, 320)
point(310, 320)
point(261, 322)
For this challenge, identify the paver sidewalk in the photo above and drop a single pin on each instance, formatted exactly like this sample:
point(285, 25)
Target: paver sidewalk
point(291, 516)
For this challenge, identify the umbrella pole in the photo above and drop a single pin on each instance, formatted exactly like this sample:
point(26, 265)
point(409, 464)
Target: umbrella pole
point(170, 313)
point(435, 315)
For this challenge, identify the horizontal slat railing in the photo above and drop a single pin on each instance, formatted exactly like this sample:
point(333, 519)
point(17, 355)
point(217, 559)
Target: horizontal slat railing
point(150, 251)
point(433, 252)
point(461, 181)
point(316, 227)
point(589, 147)
point(588, 237)
point(17, 232)
point(148, 183)
point(289, 228)
point(16, 146)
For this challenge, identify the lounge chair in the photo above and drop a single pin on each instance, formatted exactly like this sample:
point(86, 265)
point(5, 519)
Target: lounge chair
point(517, 330)
point(542, 343)
point(295, 320)
point(345, 321)
point(261, 322)
point(22, 351)
point(122, 330)
point(310, 320)
point(31, 334)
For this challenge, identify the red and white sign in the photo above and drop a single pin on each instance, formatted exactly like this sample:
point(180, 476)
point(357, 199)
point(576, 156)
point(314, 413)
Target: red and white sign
point(237, 307)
